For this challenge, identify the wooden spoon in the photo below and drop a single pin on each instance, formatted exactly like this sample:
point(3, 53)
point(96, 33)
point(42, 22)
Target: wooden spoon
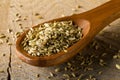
point(91, 21)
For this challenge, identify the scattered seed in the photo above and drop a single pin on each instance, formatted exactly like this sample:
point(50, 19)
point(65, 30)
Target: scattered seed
point(69, 64)
point(38, 75)
point(25, 18)
point(51, 74)
point(100, 72)
point(20, 66)
point(37, 14)
point(79, 6)
point(73, 9)
point(7, 39)
point(17, 34)
point(102, 63)
point(2, 35)
point(1, 41)
point(73, 74)
point(49, 77)
point(40, 17)
point(9, 43)
point(57, 69)
point(117, 66)
point(117, 56)
point(18, 19)
point(90, 76)
point(65, 68)
point(93, 43)
point(80, 76)
point(2, 71)
point(104, 54)
point(66, 75)
point(10, 31)
point(3, 54)
point(96, 47)
point(82, 63)
point(17, 14)
point(20, 24)
point(90, 69)
point(21, 5)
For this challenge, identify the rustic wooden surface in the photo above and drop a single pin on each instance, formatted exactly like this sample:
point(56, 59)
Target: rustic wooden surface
point(107, 41)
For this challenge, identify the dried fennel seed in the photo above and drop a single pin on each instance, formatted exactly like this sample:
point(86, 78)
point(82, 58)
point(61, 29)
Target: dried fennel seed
point(3, 54)
point(21, 5)
point(17, 34)
point(9, 43)
point(66, 75)
point(73, 74)
point(7, 39)
point(51, 38)
point(37, 14)
point(117, 66)
point(117, 56)
point(2, 71)
point(74, 9)
point(40, 17)
point(100, 72)
point(79, 6)
point(2, 35)
point(57, 70)
point(1, 41)
point(52, 74)
point(37, 75)
point(10, 31)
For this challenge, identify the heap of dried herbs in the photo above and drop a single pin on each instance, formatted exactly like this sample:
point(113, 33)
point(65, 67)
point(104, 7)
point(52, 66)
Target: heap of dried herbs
point(51, 38)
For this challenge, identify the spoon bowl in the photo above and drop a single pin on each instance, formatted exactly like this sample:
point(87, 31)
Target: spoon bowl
point(55, 58)
point(91, 23)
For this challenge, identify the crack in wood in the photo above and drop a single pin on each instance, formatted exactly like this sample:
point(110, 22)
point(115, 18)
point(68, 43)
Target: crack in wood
point(9, 66)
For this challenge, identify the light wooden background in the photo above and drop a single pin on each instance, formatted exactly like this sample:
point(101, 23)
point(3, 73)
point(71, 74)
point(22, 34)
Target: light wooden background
point(11, 68)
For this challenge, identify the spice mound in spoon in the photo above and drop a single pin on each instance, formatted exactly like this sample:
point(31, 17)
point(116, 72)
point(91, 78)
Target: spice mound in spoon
point(51, 38)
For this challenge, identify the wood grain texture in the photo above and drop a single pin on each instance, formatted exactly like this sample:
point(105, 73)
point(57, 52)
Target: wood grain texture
point(100, 21)
point(50, 9)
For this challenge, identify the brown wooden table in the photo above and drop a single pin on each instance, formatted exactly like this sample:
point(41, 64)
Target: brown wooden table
point(95, 61)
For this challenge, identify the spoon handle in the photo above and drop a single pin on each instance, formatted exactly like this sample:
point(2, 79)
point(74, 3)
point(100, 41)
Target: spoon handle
point(102, 16)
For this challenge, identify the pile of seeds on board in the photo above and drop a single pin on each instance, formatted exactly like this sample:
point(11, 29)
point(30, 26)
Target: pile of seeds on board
point(51, 38)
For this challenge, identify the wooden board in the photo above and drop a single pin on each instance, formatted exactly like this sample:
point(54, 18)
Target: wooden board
point(15, 14)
